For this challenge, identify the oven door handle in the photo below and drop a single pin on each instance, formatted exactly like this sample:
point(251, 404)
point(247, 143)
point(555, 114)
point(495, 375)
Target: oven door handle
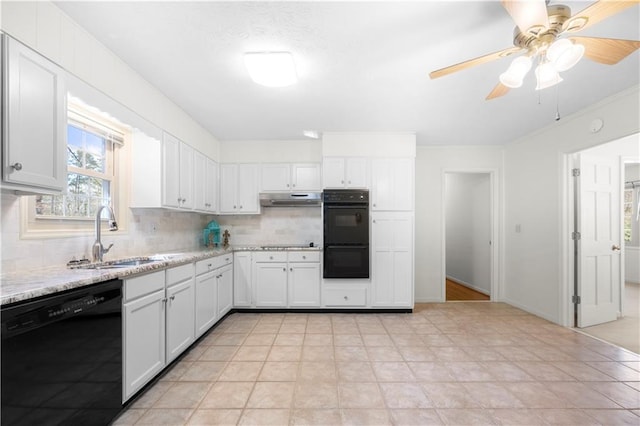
point(344, 206)
point(348, 247)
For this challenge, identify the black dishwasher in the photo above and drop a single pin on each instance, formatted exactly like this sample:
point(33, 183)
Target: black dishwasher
point(62, 358)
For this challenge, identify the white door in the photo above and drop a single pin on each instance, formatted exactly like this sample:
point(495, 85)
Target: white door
point(242, 290)
point(248, 188)
point(304, 284)
point(170, 171)
point(225, 290)
point(206, 303)
point(599, 244)
point(186, 176)
point(305, 177)
point(228, 188)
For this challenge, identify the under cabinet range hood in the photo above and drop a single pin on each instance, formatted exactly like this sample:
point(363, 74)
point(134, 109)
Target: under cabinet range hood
point(290, 199)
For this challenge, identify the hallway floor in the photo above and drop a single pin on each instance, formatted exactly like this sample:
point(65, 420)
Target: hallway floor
point(451, 363)
point(624, 332)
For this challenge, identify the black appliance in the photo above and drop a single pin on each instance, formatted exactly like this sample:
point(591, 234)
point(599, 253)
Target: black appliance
point(62, 358)
point(346, 233)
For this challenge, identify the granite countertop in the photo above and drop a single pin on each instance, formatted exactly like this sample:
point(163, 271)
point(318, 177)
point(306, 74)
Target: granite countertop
point(24, 285)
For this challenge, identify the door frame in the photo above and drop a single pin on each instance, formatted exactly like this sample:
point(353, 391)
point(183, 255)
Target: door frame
point(495, 253)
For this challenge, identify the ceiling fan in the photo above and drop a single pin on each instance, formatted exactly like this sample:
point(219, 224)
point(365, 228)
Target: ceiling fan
point(539, 33)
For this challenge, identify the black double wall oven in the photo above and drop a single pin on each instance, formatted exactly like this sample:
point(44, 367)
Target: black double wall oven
point(346, 233)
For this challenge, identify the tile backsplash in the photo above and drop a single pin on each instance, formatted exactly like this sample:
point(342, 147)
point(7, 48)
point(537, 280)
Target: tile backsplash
point(153, 231)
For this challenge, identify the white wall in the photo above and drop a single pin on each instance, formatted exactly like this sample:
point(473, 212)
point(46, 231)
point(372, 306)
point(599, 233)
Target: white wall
point(360, 144)
point(431, 164)
point(468, 230)
point(536, 182)
point(45, 28)
point(271, 151)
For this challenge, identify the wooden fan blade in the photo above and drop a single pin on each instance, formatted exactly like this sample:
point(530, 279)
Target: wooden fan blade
point(499, 90)
point(596, 12)
point(473, 62)
point(606, 51)
point(529, 15)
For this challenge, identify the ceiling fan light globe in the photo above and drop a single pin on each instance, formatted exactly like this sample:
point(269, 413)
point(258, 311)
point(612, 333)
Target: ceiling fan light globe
point(568, 57)
point(547, 76)
point(510, 80)
point(516, 72)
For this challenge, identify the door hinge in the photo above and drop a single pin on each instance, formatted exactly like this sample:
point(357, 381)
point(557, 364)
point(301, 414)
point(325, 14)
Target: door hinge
point(575, 172)
point(575, 299)
point(575, 236)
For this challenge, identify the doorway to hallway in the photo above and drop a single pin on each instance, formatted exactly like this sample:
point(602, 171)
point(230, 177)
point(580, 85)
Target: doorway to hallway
point(468, 234)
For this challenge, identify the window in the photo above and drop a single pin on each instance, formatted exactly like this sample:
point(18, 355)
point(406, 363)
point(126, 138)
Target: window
point(631, 205)
point(628, 214)
point(93, 173)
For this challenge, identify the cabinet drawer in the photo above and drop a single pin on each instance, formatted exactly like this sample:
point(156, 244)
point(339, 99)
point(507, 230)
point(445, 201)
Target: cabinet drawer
point(304, 256)
point(270, 256)
point(345, 296)
point(144, 284)
point(179, 273)
point(206, 265)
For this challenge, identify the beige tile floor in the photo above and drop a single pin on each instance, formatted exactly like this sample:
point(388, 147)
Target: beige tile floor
point(453, 363)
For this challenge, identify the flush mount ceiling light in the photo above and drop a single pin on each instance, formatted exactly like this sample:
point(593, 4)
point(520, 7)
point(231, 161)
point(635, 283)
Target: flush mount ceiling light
point(271, 69)
point(313, 134)
point(538, 34)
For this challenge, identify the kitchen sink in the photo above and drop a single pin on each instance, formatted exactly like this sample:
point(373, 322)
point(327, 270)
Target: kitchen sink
point(124, 263)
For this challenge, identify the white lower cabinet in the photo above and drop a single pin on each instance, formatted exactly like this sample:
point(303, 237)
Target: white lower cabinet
point(303, 279)
point(270, 280)
point(144, 330)
point(242, 291)
point(277, 279)
point(180, 318)
point(225, 290)
point(213, 291)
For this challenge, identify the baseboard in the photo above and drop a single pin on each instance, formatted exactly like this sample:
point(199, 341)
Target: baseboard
point(468, 285)
point(535, 312)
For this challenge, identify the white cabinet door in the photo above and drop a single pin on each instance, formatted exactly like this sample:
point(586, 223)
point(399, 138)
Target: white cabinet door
point(304, 284)
point(199, 181)
point(276, 177)
point(228, 188)
point(170, 171)
point(248, 199)
point(180, 318)
point(35, 134)
point(211, 186)
point(186, 176)
point(392, 259)
point(333, 172)
point(356, 173)
point(242, 293)
point(225, 290)
point(144, 341)
point(270, 280)
point(305, 177)
point(392, 183)
point(206, 302)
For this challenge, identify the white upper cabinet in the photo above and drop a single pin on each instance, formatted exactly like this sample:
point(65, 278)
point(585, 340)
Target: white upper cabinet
point(205, 183)
point(276, 177)
point(239, 189)
point(290, 177)
point(349, 172)
point(392, 184)
point(305, 177)
point(34, 111)
point(177, 173)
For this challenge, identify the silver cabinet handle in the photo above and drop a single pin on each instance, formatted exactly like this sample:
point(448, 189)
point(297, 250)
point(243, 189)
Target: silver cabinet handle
point(284, 269)
point(291, 269)
point(615, 247)
point(304, 257)
point(346, 298)
point(209, 265)
point(173, 297)
point(240, 206)
point(270, 257)
point(17, 167)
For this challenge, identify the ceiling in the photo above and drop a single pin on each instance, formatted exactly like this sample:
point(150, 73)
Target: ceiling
point(362, 66)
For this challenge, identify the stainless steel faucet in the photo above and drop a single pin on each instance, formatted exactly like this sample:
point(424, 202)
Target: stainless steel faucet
point(98, 249)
